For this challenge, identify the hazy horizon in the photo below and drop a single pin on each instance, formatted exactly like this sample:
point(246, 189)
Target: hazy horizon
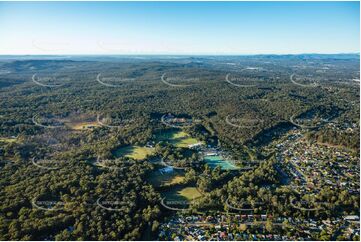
point(189, 55)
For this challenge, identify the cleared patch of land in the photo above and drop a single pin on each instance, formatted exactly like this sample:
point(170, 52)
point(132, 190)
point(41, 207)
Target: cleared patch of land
point(134, 152)
point(8, 140)
point(82, 125)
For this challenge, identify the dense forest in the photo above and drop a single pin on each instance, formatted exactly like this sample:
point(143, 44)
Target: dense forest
point(73, 198)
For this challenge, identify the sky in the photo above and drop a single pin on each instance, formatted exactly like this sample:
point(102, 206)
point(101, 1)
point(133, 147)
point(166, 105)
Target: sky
point(189, 28)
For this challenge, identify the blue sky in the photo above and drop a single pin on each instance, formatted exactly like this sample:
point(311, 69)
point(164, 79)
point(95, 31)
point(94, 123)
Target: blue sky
point(179, 27)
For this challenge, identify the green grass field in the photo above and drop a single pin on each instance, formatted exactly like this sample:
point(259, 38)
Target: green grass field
point(175, 180)
point(185, 193)
point(177, 138)
point(158, 179)
point(134, 152)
